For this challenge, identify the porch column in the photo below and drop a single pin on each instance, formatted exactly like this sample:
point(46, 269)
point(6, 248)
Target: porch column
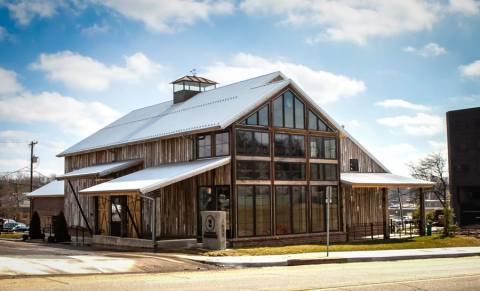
point(386, 230)
point(422, 212)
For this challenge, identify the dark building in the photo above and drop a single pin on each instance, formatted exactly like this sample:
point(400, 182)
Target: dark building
point(463, 127)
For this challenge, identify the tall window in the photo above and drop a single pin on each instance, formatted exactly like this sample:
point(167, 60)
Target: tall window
point(253, 170)
point(323, 147)
point(316, 123)
point(260, 117)
point(222, 144)
point(319, 209)
point(323, 172)
point(253, 143)
point(288, 111)
point(289, 171)
point(204, 146)
point(254, 206)
point(289, 145)
point(291, 211)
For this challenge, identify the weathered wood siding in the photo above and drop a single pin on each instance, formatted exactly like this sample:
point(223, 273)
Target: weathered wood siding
point(153, 153)
point(349, 150)
point(362, 205)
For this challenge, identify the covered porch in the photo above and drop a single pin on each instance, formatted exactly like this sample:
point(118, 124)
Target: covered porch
point(366, 200)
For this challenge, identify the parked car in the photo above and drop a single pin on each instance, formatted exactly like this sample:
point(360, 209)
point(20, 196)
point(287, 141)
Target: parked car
point(20, 227)
point(8, 225)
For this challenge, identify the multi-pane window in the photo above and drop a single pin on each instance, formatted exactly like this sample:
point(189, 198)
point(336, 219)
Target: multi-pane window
point(354, 165)
point(323, 147)
point(254, 206)
point(319, 206)
point(289, 145)
point(204, 146)
point(253, 143)
point(316, 123)
point(289, 171)
point(291, 209)
point(253, 170)
point(260, 117)
point(323, 172)
point(222, 144)
point(288, 111)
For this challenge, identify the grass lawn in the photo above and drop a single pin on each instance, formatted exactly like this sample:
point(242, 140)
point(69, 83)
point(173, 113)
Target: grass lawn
point(15, 235)
point(434, 241)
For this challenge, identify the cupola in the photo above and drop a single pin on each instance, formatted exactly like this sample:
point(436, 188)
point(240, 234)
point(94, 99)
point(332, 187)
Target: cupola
point(188, 86)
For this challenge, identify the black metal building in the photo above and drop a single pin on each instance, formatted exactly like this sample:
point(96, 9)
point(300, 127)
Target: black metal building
point(463, 127)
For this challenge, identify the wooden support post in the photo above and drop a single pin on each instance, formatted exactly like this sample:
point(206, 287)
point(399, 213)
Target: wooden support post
point(386, 230)
point(422, 212)
point(80, 207)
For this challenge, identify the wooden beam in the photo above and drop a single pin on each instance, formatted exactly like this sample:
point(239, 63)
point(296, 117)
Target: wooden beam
point(422, 212)
point(386, 230)
point(80, 207)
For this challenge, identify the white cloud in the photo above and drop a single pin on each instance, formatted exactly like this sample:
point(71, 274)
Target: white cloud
point(400, 103)
point(70, 115)
point(352, 21)
point(82, 72)
point(95, 29)
point(170, 15)
point(8, 82)
point(23, 11)
point(397, 156)
point(353, 124)
point(429, 50)
point(420, 124)
point(324, 87)
point(468, 7)
point(471, 70)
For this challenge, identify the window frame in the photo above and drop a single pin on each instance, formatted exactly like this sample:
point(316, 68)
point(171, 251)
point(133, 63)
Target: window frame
point(209, 135)
point(302, 164)
point(291, 207)
point(253, 178)
point(324, 205)
point(253, 132)
point(322, 150)
point(321, 169)
point(295, 100)
point(354, 165)
point(254, 210)
point(289, 141)
point(215, 135)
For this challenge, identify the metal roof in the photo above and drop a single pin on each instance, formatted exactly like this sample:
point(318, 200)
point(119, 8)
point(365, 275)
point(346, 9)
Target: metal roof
point(386, 180)
point(213, 109)
point(195, 79)
point(52, 189)
point(100, 170)
point(151, 179)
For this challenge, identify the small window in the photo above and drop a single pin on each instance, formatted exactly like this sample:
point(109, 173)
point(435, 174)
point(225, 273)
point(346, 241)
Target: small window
point(204, 146)
point(253, 170)
point(222, 144)
point(316, 123)
point(289, 145)
point(260, 117)
point(253, 143)
point(354, 165)
point(323, 172)
point(289, 171)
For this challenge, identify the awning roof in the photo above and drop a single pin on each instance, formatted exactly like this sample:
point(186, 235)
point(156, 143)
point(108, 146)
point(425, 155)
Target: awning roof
point(385, 180)
point(100, 170)
point(151, 179)
point(52, 189)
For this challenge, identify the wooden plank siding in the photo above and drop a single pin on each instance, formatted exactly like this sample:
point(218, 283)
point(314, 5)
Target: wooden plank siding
point(362, 206)
point(349, 150)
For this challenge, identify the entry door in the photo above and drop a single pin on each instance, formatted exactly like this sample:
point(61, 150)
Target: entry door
point(118, 219)
point(213, 198)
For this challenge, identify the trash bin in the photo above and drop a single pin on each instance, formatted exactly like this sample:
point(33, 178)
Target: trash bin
point(429, 229)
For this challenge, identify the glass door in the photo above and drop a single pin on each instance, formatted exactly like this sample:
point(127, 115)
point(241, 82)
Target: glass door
point(118, 218)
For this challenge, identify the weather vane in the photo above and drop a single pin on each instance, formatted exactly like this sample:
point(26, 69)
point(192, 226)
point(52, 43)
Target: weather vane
point(193, 72)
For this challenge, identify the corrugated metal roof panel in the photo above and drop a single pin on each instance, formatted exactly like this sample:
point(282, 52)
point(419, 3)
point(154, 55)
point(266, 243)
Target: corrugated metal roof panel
point(381, 180)
point(100, 170)
point(52, 189)
point(151, 179)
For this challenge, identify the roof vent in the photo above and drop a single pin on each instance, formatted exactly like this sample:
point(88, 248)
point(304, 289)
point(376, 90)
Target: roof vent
point(188, 86)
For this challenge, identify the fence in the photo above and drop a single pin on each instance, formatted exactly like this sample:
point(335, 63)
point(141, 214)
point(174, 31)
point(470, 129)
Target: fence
point(363, 231)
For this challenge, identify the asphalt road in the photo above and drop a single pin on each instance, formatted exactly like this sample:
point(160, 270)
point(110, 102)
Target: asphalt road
point(430, 274)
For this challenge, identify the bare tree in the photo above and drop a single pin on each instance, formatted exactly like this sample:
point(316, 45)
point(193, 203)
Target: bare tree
point(433, 168)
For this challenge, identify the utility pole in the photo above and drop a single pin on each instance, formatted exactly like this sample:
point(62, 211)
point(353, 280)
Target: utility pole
point(328, 200)
point(33, 159)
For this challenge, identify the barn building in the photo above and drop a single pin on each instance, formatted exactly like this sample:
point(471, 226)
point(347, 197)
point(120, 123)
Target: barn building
point(260, 149)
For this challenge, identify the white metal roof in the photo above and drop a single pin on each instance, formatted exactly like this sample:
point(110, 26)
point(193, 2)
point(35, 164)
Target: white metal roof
point(382, 180)
point(52, 189)
point(100, 170)
point(216, 108)
point(151, 179)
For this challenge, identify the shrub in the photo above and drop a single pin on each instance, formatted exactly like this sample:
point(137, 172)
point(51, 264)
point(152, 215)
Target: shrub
point(35, 230)
point(61, 229)
point(449, 227)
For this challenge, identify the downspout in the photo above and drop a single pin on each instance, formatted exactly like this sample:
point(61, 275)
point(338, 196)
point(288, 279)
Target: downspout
point(154, 219)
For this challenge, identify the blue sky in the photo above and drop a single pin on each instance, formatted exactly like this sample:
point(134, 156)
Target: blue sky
point(387, 70)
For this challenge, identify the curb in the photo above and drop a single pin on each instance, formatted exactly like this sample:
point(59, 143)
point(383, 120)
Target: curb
point(333, 260)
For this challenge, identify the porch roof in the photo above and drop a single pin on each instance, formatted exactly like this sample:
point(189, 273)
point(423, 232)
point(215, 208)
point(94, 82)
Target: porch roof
point(151, 179)
point(52, 189)
point(100, 170)
point(383, 180)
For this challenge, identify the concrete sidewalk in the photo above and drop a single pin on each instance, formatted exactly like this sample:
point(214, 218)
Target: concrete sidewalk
point(335, 257)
